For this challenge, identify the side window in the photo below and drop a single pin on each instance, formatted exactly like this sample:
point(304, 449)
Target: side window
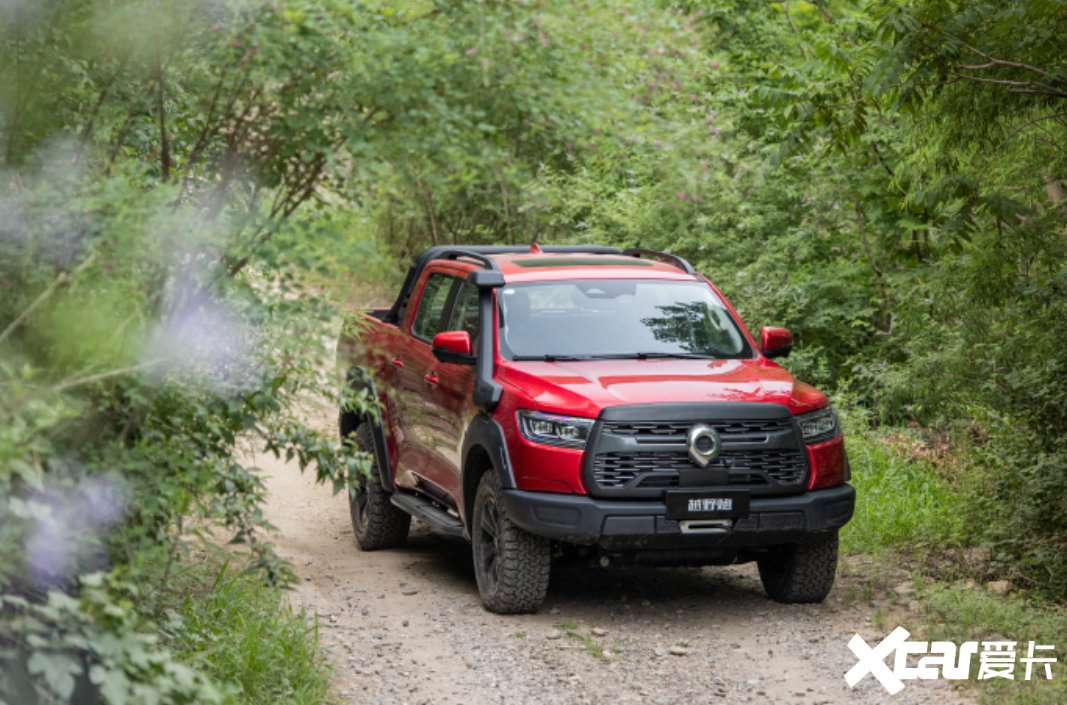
point(465, 313)
point(432, 316)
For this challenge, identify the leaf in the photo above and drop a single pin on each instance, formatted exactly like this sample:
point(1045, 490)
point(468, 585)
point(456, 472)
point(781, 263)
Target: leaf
point(58, 671)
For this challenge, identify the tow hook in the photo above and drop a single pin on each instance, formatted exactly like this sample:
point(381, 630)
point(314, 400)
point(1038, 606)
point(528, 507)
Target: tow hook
point(706, 526)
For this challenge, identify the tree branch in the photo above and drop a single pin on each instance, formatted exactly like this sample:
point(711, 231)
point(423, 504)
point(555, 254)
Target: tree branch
point(1055, 94)
point(295, 196)
point(87, 131)
point(507, 212)
point(785, 8)
point(822, 8)
point(789, 17)
point(60, 280)
point(429, 210)
point(874, 266)
point(1000, 62)
point(878, 155)
point(1049, 90)
point(1010, 137)
point(164, 142)
point(105, 375)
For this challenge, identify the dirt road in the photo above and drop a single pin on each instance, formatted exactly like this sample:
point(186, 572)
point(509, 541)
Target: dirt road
point(406, 626)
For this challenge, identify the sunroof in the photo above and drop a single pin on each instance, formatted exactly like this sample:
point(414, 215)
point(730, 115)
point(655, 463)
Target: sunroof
point(599, 261)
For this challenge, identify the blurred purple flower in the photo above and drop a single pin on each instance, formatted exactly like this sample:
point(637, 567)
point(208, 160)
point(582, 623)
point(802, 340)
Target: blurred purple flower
point(64, 533)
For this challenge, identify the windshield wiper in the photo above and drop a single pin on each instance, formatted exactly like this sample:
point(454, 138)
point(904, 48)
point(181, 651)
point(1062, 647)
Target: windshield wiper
point(550, 358)
point(655, 355)
point(615, 356)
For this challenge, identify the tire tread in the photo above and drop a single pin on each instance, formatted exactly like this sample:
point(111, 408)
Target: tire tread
point(387, 525)
point(526, 561)
point(800, 573)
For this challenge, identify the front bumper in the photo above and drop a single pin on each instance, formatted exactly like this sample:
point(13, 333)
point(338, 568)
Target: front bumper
point(629, 524)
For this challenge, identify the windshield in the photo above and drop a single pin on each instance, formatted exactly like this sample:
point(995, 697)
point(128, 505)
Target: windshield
point(616, 318)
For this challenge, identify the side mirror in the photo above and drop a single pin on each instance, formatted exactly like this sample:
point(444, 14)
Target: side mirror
point(775, 342)
point(453, 347)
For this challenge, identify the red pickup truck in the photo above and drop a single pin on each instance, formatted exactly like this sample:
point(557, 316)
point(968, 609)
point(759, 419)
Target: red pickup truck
point(593, 404)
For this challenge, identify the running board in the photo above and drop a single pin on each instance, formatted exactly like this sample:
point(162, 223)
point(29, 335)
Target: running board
point(429, 512)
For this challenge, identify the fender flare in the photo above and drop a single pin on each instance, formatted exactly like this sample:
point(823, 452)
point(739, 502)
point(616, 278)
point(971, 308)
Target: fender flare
point(485, 432)
point(359, 379)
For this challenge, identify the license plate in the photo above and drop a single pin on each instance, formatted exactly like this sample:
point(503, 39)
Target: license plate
point(707, 504)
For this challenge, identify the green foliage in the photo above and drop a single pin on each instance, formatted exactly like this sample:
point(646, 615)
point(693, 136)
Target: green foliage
point(127, 388)
point(1018, 482)
point(577, 91)
point(958, 613)
point(900, 502)
point(959, 108)
point(173, 172)
point(63, 649)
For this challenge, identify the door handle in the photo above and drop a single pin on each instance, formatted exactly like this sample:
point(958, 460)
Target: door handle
point(397, 362)
point(431, 379)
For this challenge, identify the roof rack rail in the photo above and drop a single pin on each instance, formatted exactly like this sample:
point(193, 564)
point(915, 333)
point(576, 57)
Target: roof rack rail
point(663, 257)
point(457, 253)
point(482, 254)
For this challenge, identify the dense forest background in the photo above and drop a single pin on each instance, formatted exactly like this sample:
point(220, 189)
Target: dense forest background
point(188, 186)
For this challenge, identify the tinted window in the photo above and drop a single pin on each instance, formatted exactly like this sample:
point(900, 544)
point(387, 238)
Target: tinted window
point(432, 316)
point(625, 318)
point(465, 313)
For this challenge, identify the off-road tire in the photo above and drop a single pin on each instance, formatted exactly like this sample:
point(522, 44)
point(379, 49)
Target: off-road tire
point(375, 521)
point(512, 566)
point(800, 573)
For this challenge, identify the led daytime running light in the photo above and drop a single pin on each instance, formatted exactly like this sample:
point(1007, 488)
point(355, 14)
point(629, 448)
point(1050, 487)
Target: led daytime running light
point(554, 429)
point(818, 426)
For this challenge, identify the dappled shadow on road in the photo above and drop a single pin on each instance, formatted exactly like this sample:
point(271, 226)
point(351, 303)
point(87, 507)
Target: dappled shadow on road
point(447, 562)
point(676, 584)
point(440, 559)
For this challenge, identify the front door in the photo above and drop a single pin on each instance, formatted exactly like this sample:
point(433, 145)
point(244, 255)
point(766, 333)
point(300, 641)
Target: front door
point(451, 399)
point(417, 468)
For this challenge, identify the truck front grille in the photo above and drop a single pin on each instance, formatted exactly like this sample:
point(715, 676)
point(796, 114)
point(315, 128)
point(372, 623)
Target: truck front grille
point(668, 431)
point(627, 470)
point(633, 454)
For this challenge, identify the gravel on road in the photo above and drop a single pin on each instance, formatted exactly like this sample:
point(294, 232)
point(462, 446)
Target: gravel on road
point(407, 626)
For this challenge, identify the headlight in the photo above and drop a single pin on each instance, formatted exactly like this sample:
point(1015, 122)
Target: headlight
point(818, 425)
point(554, 430)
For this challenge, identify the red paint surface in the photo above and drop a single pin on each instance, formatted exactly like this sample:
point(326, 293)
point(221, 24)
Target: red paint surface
point(828, 464)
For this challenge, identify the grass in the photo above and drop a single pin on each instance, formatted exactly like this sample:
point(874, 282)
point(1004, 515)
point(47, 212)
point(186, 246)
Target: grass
point(956, 613)
point(899, 501)
point(904, 509)
point(592, 647)
point(245, 634)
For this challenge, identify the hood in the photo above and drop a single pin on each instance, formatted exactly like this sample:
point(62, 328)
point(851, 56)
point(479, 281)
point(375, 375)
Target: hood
point(584, 388)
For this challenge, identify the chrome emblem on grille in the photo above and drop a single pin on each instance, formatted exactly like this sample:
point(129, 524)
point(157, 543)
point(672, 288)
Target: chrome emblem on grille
point(704, 444)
